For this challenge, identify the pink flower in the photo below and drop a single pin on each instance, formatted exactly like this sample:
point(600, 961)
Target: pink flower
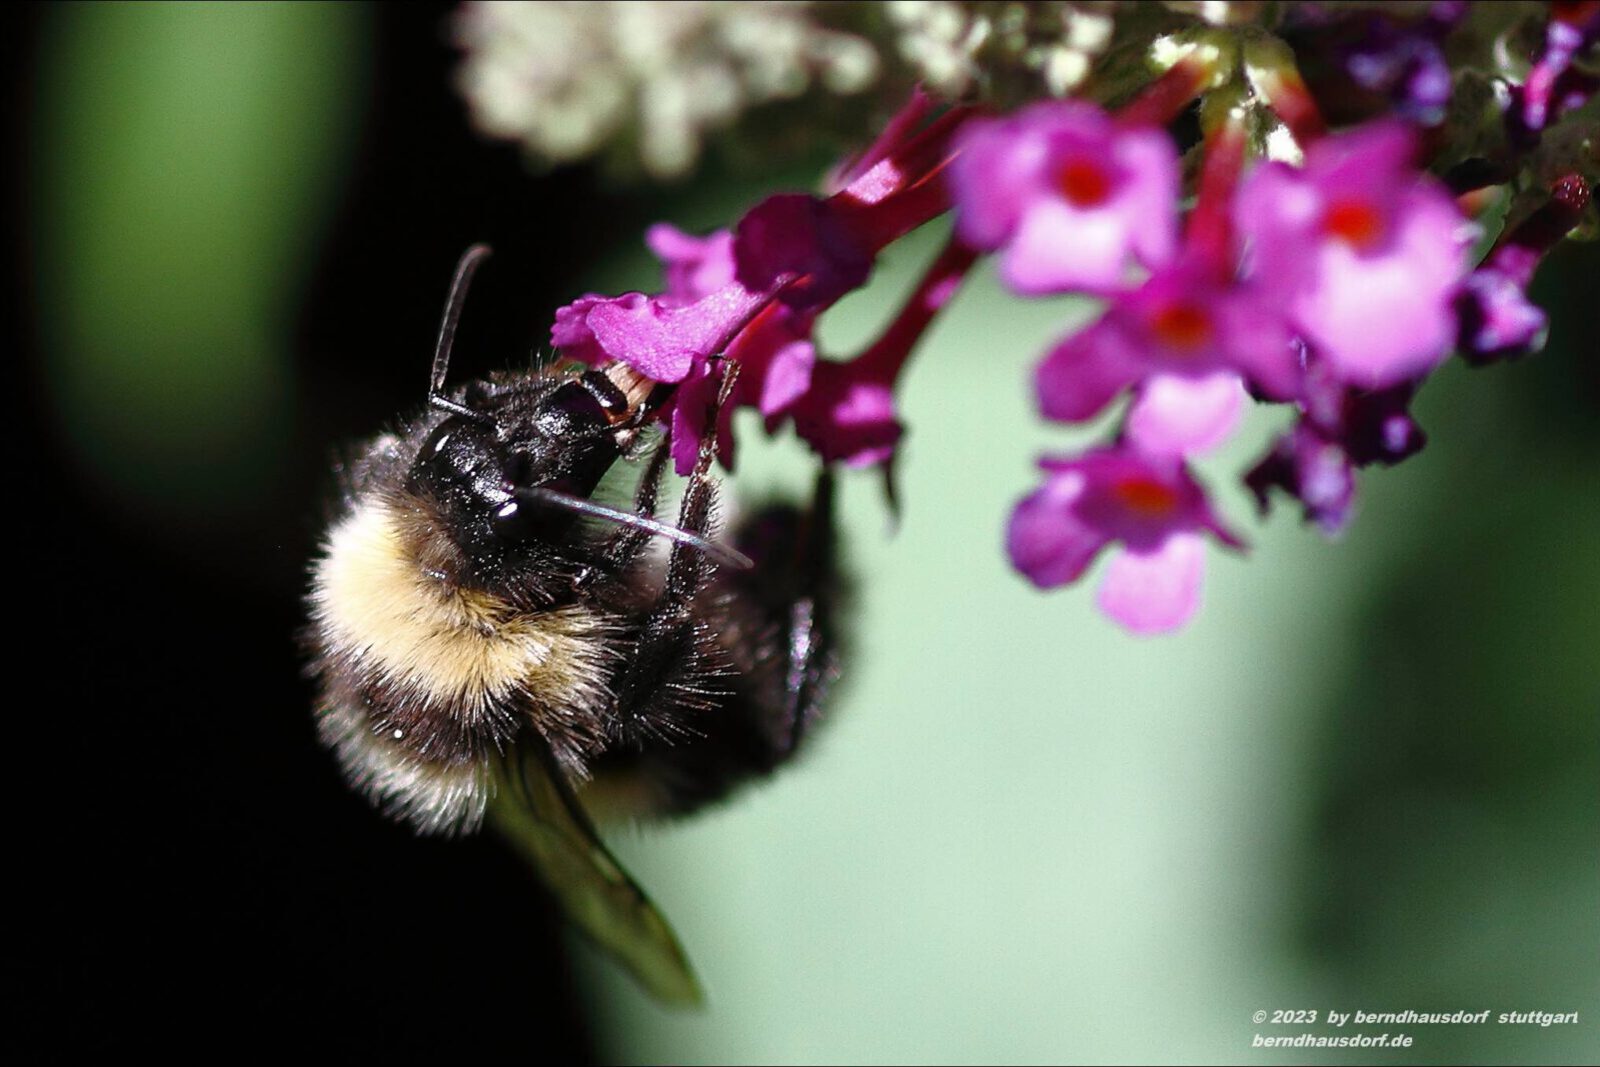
point(1553, 85)
point(1497, 319)
point(660, 337)
point(753, 294)
point(716, 286)
point(1312, 469)
point(848, 414)
point(1150, 504)
point(775, 355)
point(1366, 252)
point(1188, 340)
point(1069, 198)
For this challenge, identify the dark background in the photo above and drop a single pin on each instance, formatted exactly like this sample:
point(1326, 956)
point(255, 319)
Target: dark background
point(201, 878)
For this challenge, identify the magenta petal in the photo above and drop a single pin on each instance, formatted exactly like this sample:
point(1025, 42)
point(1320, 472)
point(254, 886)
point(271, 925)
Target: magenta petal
point(1371, 161)
point(788, 377)
point(647, 338)
point(1046, 540)
point(570, 333)
point(696, 267)
point(1085, 372)
point(1179, 416)
point(1058, 249)
point(664, 342)
point(1260, 345)
point(793, 236)
point(1497, 320)
point(1149, 203)
point(691, 406)
point(776, 355)
point(1272, 213)
point(848, 415)
point(992, 177)
point(1155, 592)
point(1381, 319)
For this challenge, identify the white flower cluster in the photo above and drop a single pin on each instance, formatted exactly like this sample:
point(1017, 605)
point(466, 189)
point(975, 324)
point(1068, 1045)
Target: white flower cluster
point(567, 78)
point(951, 45)
point(652, 79)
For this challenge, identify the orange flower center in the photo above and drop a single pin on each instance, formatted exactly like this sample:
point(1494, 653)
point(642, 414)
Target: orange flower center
point(1182, 326)
point(1147, 497)
point(1084, 183)
point(1354, 222)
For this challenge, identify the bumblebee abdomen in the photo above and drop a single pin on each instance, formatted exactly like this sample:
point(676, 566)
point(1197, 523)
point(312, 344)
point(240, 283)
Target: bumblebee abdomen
point(425, 681)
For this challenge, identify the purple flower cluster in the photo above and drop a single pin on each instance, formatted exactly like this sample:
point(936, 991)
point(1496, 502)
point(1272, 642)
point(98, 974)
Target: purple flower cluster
point(1330, 286)
point(1333, 286)
point(750, 297)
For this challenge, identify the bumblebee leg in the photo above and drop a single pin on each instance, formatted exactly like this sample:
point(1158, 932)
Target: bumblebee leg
point(774, 630)
point(675, 668)
point(792, 596)
point(624, 546)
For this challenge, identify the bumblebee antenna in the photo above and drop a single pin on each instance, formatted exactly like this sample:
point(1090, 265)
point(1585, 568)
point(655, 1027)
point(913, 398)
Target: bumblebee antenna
point(465, 268)
point(584, 506)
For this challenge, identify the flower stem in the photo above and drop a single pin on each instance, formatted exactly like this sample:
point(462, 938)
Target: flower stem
point(897, 132)
point(1209, 233)
point(888, 354)
point(909, 163)
point(1165, 98)
point(1273, 74)
point(1518, 251)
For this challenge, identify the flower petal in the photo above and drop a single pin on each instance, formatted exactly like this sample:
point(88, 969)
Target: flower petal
point(1155, 592)
point(992, 176)
point(1046, 540)
point(695, 266)
point(1058, 249)
point(848, 414)
point(1085, 372)
point(775, 356)
point(664, 343)
point(1182, 416)
point(1070, 199)
point(797, 236)
point(1149, 201)
point(1380, 319)
point(691, 406)
point(1260, 345)
point(571, 332)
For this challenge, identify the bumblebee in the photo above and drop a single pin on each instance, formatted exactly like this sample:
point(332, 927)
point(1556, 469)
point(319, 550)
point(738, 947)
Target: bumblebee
point(488, 639)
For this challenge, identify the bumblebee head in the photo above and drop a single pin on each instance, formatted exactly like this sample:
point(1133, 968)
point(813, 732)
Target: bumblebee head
point(511, 463)
point(495, 469)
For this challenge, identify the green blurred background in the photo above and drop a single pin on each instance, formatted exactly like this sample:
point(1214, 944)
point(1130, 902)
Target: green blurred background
point(1364, 778)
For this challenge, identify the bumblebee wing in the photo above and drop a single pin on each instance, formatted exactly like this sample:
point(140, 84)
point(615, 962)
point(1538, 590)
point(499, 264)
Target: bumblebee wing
point(541, 816)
